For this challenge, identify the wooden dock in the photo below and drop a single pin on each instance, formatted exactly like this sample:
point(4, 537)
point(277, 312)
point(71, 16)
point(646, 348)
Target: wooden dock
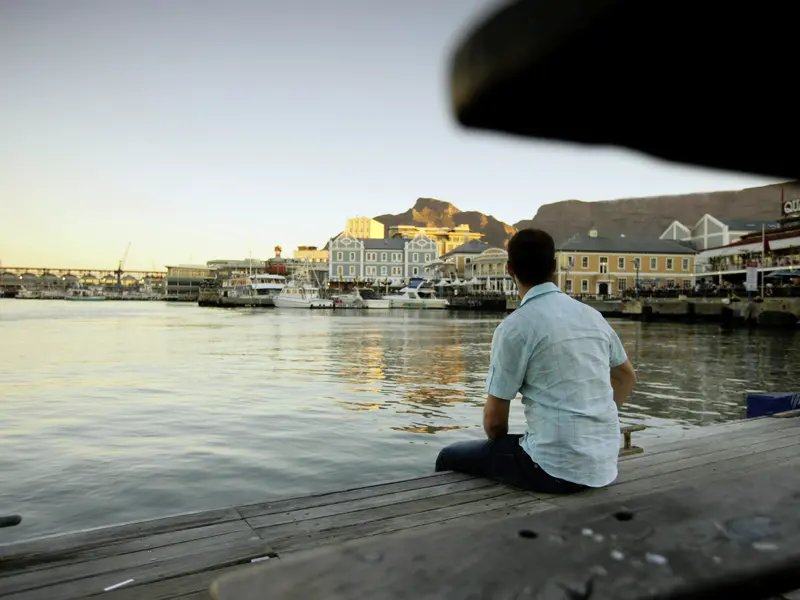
point(180, 556)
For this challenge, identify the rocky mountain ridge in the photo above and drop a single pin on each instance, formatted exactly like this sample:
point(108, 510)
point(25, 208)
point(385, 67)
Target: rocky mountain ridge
point(648, 216)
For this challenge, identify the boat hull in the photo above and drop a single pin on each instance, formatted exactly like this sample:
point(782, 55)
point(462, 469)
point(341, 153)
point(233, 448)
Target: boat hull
point(97, 299)
point(378, 304)
point(282, 302)
point(419, 304)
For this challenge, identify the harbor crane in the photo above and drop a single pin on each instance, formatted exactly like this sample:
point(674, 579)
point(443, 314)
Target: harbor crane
point(121, 266)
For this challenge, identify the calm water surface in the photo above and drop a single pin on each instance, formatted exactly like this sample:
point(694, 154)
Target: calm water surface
point(115, 412)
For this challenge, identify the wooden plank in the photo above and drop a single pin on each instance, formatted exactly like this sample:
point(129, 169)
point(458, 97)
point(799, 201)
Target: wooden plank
point(29, 579)
point(406, 521)
point(312, 526)
point(789, 414)
point(87, 538)
point(678, 452)
point(289, 504)
point(327, 510)
point(715, 433)
point(728, 540)
point(174, 587)
point(215, 556)
point(149, 542)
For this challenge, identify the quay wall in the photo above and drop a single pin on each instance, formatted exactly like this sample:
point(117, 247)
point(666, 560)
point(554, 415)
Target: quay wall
point(777, 312)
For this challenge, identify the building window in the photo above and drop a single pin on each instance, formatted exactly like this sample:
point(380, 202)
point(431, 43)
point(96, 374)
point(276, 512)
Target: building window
point(585, 263)
point(620, 263)
point(604, 264)
point(584, 285)
point(383, 270)
point(427, 258)
point(397, 271)
point(340, 256)
point(685, 264)
point(670, 264)
point(339, 271)
point(670, 283)
point(568, 285)
point(383, 256)
point(622, 283)
point(370, 270)
point(570, 262)
point(352, 270)
point(415, 258)
point(637, 263)
point(653, 264)
point(687, 283)
point(372, 256)
point(415, 271)
point(396, 257)
point(352, 257)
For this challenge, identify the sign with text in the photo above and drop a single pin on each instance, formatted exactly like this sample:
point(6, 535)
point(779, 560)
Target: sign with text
point(751, 283)
point(790, 208)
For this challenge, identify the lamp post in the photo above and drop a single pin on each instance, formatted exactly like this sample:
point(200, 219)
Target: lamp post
point(636, 281)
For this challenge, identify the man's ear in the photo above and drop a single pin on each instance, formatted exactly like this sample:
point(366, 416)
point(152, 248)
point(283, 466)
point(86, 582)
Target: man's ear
point(509, 269)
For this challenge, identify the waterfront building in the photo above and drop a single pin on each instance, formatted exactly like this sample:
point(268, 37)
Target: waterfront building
point(311, 254)
point(364, 228)
point(592, 264)
point(710, 232)
point(224, 268)
point(184, 281)
point(447, 238)
point(463, 255)
point(490, 268)
point(379, 260)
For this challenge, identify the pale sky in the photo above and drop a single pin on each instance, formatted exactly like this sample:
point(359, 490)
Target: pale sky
point(198, 129)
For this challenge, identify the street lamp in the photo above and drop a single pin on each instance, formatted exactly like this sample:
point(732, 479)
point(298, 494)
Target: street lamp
point(636, 282)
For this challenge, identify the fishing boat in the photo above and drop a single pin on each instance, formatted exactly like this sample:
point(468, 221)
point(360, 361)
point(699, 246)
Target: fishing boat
point(83, 295)
point(295, 295)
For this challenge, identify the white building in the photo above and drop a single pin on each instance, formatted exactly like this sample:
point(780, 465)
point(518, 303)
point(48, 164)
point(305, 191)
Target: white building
point(710, 232)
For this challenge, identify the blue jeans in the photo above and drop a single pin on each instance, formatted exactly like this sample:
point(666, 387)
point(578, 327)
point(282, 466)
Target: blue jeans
point(503, 460)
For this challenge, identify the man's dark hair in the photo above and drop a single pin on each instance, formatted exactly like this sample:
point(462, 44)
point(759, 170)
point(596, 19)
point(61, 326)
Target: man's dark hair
point(531, 255)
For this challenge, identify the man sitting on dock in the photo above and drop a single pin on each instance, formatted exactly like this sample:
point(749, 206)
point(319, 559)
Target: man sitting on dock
point(573, 374)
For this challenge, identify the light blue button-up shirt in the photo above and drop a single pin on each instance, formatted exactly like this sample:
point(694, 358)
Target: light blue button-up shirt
point(557, 352)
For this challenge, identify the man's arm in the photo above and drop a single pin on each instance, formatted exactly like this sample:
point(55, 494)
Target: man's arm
point(623, 378)
point(495, 417)
point(507, 368)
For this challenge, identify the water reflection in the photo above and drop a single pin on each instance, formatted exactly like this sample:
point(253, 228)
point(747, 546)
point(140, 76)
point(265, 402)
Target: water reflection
point(116, 412)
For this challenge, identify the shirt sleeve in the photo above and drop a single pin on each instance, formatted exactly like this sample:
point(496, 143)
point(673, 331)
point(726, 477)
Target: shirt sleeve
point(508, 364)
point(617, 354)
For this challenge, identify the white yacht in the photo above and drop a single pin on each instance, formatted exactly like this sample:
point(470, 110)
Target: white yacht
point(301, 296)
point(416, 298)
point(264, 284)
point(351, 299)
point(373, 300)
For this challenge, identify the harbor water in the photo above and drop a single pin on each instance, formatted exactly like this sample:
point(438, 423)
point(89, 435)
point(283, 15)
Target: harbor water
point(114, 412)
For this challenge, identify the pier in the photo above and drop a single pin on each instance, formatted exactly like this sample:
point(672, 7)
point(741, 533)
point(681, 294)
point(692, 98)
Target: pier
point(181, 556)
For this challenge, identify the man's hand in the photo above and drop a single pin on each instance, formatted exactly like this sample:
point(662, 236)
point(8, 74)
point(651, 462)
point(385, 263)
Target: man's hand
point(495, 417)
point(623, 378)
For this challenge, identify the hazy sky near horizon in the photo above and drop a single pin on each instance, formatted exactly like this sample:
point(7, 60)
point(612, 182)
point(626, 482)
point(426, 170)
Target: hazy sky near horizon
point(198, 129)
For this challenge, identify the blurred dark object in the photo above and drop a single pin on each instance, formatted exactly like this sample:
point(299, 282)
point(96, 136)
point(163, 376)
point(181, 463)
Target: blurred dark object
point(10, 521)
point(703, 82)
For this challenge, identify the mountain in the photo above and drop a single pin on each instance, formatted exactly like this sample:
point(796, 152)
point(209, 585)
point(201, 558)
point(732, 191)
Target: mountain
point(648, 216)
point(429, 212)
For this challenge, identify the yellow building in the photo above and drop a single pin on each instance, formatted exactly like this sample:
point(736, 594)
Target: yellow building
point(364, 228)
point(311, 254)
point(590, 264)
point(448, 238)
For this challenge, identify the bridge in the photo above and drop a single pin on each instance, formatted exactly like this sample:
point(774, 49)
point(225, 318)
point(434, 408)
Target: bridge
point(39, 276)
